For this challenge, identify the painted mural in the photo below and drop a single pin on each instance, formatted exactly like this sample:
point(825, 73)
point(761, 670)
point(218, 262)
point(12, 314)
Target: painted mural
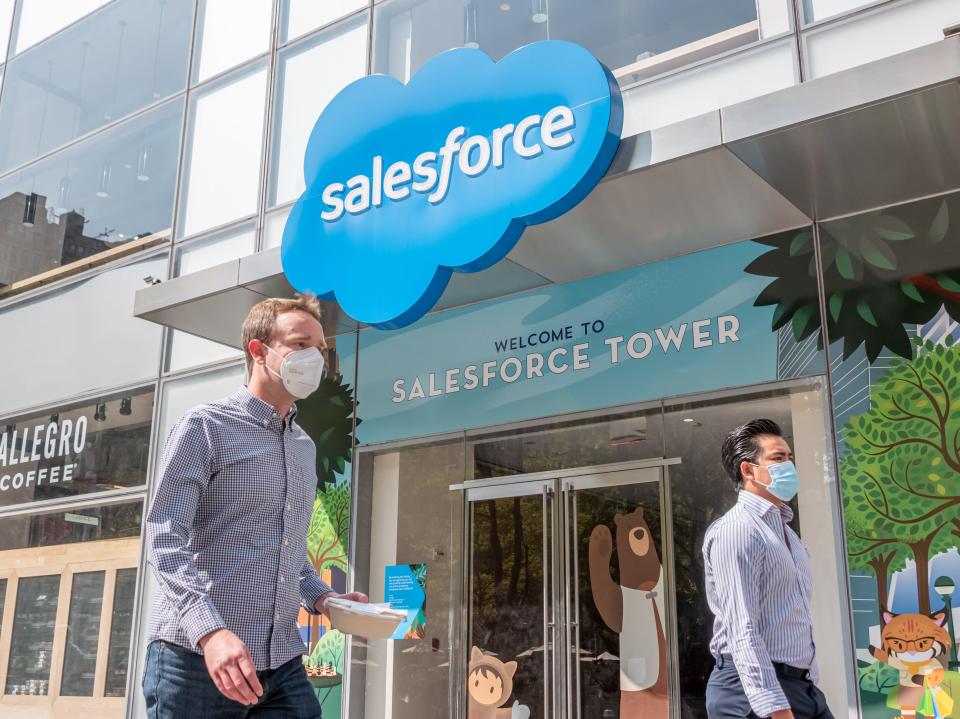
point(327, 416)
point(633, 608)
point(891, 282)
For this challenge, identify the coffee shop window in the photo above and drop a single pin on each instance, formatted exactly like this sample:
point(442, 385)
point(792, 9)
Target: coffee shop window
point(96, 445)
point(67, 581)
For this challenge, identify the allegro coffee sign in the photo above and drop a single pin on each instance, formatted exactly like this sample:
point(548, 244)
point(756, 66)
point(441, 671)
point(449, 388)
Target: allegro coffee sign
point(407, 183)
point(36, 443)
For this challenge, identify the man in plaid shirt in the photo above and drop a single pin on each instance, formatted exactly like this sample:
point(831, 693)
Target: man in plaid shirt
point(226, 536)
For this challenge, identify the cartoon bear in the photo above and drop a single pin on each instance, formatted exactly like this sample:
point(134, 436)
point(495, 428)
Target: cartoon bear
point(633, 609)
point(489, 686)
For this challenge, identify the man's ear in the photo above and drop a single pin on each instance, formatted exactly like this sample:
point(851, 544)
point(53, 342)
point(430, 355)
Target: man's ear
point(256, 349)
point(746, 471)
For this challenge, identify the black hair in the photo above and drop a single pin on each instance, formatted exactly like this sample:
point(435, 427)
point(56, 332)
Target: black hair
point(741, 445)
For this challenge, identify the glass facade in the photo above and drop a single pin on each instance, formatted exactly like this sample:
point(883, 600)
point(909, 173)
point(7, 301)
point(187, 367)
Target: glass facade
point(143, 141)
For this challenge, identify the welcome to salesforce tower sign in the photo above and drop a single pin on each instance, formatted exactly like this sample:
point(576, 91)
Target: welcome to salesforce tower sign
point(408, 183)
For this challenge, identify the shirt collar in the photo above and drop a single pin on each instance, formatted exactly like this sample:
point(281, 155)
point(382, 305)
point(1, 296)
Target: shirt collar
point(761, 507)
point(260, 410)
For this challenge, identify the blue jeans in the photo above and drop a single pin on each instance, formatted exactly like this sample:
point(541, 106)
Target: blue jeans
point(176, 685)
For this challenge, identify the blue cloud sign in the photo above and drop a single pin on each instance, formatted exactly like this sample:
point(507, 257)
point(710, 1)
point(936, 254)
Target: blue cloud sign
point(408, 183)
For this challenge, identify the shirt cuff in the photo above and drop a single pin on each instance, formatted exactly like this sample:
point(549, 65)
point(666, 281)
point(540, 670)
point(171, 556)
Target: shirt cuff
point(767, 701)
point(312, 589)
point(201, 619)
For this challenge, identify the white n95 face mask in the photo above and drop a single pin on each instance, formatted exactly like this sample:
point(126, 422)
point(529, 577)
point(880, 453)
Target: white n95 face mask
point(301, 371)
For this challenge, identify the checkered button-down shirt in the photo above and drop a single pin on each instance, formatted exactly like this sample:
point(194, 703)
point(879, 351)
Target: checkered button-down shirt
point(759, 587)
point(226, 532)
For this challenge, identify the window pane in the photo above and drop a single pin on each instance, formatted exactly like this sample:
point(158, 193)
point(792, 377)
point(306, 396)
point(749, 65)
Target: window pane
point(34, 618)
point(814, 10)
point(223, 167)
point(309, 77)
point(743, 76)
point(228, 33)
point(6, 17)
point(215, 250)
point(273, 228)
point(76, 449)
point(97, 71)
point(302, 16)
point(3, 600)
point(83, 635)
point(885, 31)
point(636, 40)
point(121, 628)
point(42, 18)
point(113, 521)
point(95, 313)
point(107, 191)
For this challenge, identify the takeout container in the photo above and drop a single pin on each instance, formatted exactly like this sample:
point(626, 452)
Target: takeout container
point(372, 621)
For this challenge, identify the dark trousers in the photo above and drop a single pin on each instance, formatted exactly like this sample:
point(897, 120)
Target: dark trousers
point(176, 685)
point(727, 700)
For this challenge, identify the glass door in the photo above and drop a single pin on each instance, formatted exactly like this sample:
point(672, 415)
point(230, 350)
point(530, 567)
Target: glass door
point(619, 595)
point(570, 610)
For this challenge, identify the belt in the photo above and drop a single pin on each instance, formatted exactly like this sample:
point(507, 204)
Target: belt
point(783, 671)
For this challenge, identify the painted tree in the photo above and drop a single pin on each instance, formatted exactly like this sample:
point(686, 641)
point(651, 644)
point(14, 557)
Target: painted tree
point(329, 528)
point(901, 470)
point(868, 549)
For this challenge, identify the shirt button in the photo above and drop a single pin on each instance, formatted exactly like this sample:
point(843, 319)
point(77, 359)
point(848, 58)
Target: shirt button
point(277, 615)
point(281, 579)
point(286, 542)
point(288, 507)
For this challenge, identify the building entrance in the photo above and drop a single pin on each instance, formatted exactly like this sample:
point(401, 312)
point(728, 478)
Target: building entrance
point(571, 609)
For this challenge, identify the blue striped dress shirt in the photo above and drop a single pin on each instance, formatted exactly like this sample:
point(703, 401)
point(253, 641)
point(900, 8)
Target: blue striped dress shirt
point(226, 533)
point(758, 587)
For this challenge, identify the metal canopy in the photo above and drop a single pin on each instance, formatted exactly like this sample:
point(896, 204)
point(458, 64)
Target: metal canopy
point(879, 134)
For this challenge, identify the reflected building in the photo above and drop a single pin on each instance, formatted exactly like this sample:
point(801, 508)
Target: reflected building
point(37, 238)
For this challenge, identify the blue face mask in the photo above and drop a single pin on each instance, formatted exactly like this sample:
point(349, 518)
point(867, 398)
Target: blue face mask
point(784, 482)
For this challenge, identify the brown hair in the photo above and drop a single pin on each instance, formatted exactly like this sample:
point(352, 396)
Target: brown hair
point(261, 321)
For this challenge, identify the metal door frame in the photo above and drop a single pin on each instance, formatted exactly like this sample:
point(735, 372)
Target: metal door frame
point(559, 690)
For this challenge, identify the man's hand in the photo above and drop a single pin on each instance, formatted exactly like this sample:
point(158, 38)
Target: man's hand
point(782, 714)
point(231, 667)
point(321, 605)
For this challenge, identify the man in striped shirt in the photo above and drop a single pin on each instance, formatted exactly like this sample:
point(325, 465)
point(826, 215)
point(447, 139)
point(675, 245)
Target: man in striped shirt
point(759, 587)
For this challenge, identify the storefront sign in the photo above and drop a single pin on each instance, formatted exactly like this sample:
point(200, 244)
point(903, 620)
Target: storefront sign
point(408, 183)
point(44, 441)
point(675, 327)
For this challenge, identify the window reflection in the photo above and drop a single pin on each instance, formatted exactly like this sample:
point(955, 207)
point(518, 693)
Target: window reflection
point(114, 188)
point(228, 33)
point(636, 40)
point(95, 72)
point(39, 19)
point(222, 170)
point(32, 646)
point(83, 635)
point(309, 76)
point(118, 657)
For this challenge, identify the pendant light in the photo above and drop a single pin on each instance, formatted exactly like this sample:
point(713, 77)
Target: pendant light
point(471, 25)
point(540, 13)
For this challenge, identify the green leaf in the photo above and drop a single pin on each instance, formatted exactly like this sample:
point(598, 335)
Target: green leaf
point(844, 263)
point(863, 309)
point(877, 254)
point(948, 283)
point(893, 228)
point(836, 305)
point(801, 243)
point(911, 291)
point(801, 320)
point(781, 315)
point(938, 230)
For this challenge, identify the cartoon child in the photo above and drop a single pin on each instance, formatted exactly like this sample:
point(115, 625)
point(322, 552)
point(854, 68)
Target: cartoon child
point(489, 685)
